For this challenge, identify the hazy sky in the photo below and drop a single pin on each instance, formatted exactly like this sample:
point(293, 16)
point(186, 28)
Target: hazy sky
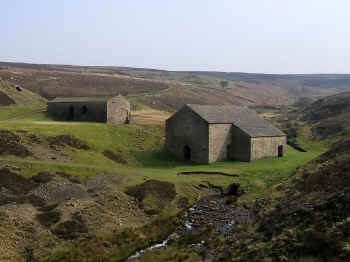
point(266, 36)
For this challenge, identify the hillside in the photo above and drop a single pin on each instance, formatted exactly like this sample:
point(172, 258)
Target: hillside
point(168, 90)
point(307, 217)
point(83, 191)
point(16, 100)
point(74, 193)
point(329, 116)
point(302, 218)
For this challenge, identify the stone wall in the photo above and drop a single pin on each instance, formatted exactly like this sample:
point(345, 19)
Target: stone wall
point(262, 147)
point(240, 145)
point(208, 143)
point(187, 129)
point(118, 110)
point(78, 111)
point(219, 139)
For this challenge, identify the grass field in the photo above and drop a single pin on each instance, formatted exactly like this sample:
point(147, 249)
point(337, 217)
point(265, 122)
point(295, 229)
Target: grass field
point(12, 111)
point(142, 148)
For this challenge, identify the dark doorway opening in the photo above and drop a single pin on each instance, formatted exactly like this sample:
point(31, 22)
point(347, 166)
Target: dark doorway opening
point(187, 153)
point(84, 110)
point(127, 120)
point(280, 151)
point(71, 113)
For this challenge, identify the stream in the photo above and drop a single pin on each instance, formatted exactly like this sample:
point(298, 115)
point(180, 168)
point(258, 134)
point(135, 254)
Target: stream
point(213, 211)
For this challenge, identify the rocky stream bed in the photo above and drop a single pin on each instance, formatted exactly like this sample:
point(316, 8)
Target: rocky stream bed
point(215, 212)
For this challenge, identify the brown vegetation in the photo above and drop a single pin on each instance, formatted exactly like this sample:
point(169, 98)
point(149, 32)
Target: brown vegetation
point(166, 91)
point(10, 144)
point(329, 116)
point(116, 156)
point(42, 212)
point(5, 100)
point(307, 216)
point(51, 84)
point(68, 140)
point(153, 195)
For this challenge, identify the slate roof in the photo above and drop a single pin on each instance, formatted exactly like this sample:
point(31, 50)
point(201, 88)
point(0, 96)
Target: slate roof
point(81, 99)
point(242, 117)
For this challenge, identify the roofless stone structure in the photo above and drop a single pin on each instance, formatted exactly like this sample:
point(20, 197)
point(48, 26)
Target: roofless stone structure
point(206, 134)
point(115, 110)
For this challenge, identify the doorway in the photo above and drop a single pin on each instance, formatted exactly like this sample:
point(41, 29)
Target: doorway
point(187, 153)
point(71, 113)
point(280, 151)
point(84, 110)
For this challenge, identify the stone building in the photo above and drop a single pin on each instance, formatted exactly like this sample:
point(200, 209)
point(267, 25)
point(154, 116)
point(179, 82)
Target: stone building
point(206, 134)
point(115, 110)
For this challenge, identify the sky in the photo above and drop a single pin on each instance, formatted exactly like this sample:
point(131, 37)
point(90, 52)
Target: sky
point(261, 36)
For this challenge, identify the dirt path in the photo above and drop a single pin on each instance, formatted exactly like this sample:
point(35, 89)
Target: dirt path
point(149, 116)
point(53, 163)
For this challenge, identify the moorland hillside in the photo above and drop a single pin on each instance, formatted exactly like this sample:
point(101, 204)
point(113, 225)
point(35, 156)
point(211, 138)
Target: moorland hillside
point(83, 191)
point(329, 116)
point(169, 90)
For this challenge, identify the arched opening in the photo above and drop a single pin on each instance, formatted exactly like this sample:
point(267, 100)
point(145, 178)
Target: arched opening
point(127, 120)
point(280, 151)
point(187, 153)
point(84, 110)
point(71, 113)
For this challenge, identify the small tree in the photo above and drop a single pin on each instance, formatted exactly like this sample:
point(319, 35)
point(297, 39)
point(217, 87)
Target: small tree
point(224, 84)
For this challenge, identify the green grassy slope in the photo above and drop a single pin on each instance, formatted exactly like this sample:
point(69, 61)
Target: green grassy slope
point(25, 101)
point(142, 149)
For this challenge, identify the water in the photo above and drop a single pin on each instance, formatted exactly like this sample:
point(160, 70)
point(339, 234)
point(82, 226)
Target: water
point(156, 246)
point(224, 217)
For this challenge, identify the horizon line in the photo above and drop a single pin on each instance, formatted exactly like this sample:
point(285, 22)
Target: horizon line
point(167, 70)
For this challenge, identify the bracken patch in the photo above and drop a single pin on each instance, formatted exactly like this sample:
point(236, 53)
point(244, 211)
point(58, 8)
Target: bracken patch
point(10, 144)
point(68, 140)
point(5, 100)
point(153, 195)
point(115, 156)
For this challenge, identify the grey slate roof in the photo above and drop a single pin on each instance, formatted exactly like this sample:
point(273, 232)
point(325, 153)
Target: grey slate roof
point(241, 117)
point(81, 99)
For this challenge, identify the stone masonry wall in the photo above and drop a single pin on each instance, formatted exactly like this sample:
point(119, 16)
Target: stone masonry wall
point(118, 111)
point(186, 128)
point(219, 139)
point(240, 145)
point(262, 147)
point(79, 111)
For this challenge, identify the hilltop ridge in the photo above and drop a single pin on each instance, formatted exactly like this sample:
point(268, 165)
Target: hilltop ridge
point(169, 90)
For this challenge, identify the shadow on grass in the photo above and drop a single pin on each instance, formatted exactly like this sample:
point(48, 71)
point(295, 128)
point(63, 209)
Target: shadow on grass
point(46, 116)
point(160, 159)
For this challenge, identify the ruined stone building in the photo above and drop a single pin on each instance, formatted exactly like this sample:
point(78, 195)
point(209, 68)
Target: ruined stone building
point(115, 110)
point(206, 134)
